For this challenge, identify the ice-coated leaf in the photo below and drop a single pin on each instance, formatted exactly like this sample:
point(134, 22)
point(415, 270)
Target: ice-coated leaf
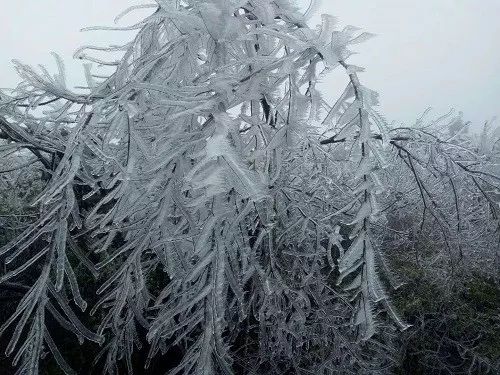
point(353, 254)
point(364, 319)
point(361, 38)
point(57, 355)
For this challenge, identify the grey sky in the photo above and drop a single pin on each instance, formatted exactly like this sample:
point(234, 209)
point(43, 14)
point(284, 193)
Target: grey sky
point(439, 53)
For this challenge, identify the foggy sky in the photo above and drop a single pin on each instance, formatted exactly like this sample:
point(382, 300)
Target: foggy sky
point(438, 53)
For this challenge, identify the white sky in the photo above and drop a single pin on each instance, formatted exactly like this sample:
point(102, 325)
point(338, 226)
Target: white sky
point(439, 53)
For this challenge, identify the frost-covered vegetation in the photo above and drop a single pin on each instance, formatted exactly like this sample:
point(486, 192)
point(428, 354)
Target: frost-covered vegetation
point(203, 209)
